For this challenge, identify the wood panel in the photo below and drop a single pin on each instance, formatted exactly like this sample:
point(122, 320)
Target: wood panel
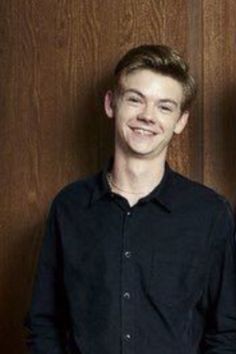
point(219, 96)
point(56, 60)
point(186, 151)
point(194, 53)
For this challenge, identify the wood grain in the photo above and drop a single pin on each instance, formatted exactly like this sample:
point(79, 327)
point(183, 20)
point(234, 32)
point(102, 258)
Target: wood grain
point(219, 96)
point(186, 152)
point(56, 61)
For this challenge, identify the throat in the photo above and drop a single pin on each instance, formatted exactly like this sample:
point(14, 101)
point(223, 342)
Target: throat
point(131, 196)
point(134, 178)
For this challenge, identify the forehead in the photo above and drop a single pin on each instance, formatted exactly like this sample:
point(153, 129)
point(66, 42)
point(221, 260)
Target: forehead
point(152, 84)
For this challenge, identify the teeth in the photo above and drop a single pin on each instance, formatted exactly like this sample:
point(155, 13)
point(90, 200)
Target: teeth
point(142, 132)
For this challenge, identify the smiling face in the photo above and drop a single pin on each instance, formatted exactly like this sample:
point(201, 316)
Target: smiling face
point(147, 112)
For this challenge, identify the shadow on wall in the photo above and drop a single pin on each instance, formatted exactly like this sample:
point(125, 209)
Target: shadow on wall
point(17, 283)
point(227, 107)
point(89, 141)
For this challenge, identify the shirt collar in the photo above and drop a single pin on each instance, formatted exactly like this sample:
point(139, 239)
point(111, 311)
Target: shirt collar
point(101, 187)
point(161, 193)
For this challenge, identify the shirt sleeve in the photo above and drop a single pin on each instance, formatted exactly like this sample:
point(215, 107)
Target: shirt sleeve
point(46, 320)
point(220, 331)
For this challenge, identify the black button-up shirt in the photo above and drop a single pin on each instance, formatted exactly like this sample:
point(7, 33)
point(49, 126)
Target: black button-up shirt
point(155, 278)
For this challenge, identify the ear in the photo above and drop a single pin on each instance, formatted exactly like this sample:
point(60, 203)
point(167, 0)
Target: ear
point(181, 123)
point(109, 104)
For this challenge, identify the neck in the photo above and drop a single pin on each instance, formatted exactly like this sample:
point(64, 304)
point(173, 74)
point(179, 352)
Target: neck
point(134, 178)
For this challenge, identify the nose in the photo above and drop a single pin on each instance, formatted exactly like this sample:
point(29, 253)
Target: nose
point(147, 114)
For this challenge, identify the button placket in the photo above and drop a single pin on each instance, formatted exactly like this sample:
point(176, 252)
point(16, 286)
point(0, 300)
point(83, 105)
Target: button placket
point(127, 286)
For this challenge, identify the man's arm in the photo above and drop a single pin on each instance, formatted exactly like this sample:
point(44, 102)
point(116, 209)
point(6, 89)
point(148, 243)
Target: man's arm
point(46, 320)
point(220, 332)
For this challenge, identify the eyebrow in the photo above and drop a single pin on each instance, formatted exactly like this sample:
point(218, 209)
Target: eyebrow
point(169, 100)
point(162, 100)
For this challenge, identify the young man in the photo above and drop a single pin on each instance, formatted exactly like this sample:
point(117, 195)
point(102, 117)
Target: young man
point(138, 259)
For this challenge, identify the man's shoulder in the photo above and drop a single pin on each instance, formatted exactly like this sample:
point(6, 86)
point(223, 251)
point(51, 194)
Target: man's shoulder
point(79, 191)
point(197, 194)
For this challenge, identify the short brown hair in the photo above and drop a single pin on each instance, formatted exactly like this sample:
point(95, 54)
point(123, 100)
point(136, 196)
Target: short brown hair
point(160, 59)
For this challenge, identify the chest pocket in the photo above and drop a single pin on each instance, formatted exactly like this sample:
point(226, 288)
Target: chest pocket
point(175, 283)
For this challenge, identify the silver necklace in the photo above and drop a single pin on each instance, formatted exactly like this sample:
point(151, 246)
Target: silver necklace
point(114, 185)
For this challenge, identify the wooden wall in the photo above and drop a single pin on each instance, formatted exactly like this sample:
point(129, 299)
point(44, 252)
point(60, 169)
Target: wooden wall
point(56, 58)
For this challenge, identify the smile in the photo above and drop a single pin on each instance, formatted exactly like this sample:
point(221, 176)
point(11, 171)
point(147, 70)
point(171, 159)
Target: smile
point(142, 131)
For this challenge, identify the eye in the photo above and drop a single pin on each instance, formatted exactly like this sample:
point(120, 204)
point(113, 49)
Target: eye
point(166, 109)
point(134, 99)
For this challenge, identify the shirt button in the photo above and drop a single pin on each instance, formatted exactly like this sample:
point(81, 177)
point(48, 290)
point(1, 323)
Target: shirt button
point(128, 213)
point(128, 254)
point(127, 337)
point(126, 295)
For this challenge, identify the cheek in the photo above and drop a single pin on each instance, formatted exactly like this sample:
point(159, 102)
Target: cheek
point(129, 108)
point(168, 123)
point(124, 114)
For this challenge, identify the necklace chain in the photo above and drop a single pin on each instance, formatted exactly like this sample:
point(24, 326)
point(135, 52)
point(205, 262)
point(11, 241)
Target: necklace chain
point(114, 185)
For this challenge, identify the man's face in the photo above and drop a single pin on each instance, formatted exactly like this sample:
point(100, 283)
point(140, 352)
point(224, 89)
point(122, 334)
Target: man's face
point(147, 112)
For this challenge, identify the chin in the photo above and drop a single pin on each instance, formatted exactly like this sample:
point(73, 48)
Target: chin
point(148, 153)
point(142, 150)
point(143, 153)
